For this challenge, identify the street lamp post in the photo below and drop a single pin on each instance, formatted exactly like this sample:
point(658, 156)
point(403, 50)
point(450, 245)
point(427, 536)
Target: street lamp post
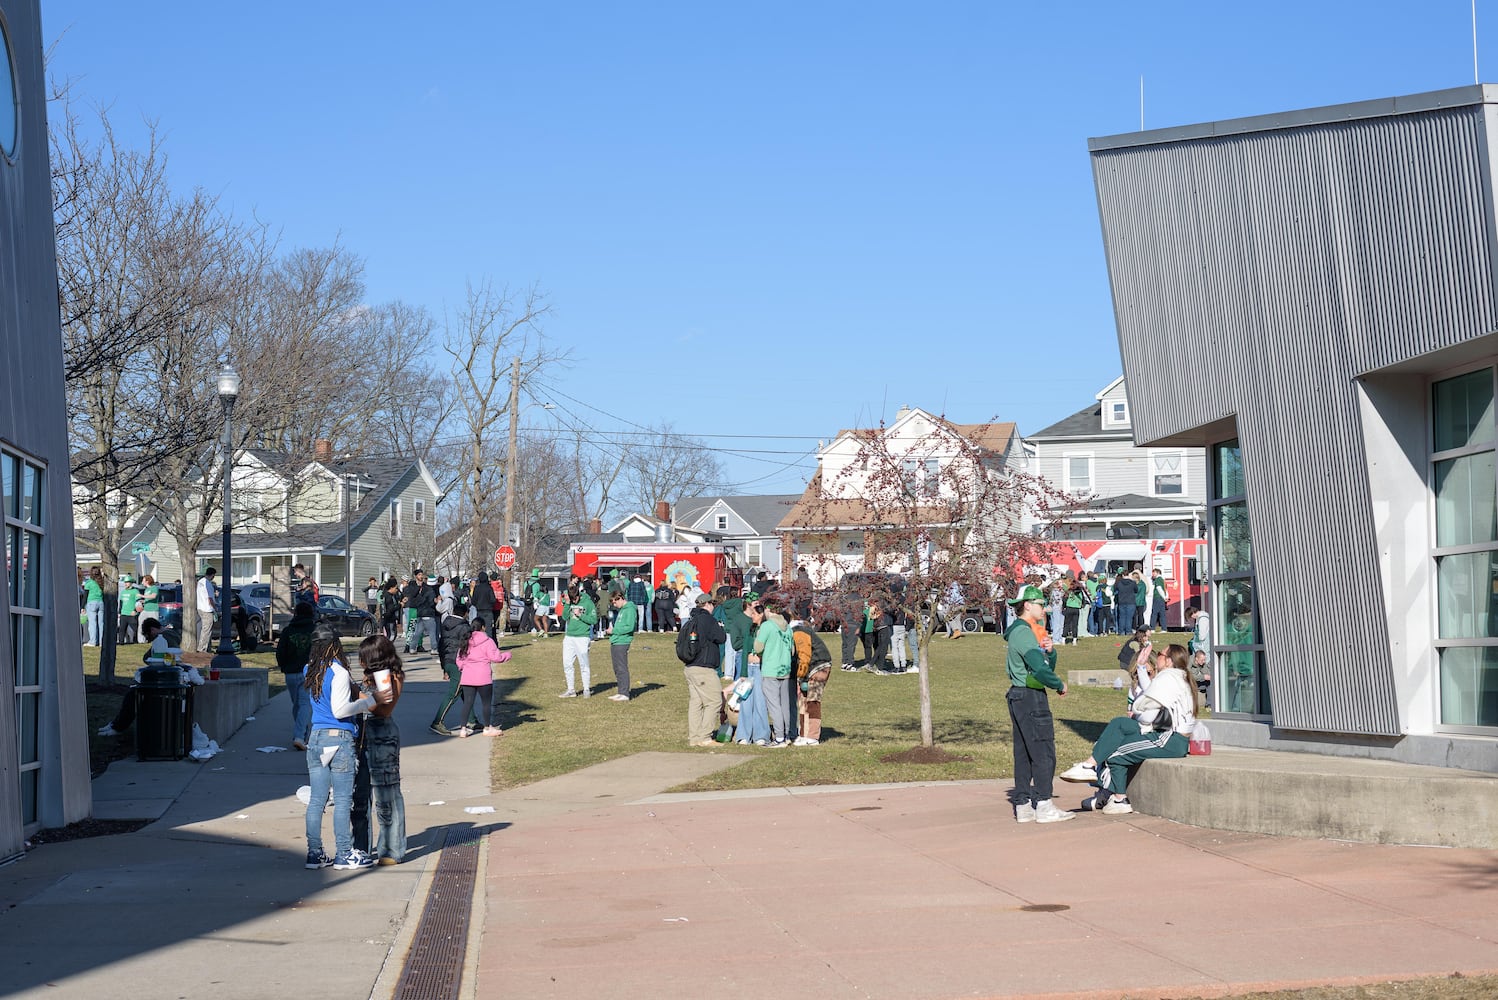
point(228, 391)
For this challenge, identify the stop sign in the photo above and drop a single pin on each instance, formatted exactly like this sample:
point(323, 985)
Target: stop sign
point(504, 557)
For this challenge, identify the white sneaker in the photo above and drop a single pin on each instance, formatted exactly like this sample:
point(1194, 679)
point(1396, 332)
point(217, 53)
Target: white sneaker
point(912, 670)
point(807, 741)
point(1082, 773)
point(1117, 807)
point(1046, 812)
point(618, 697)
point(1024, 813)
point(108, 730)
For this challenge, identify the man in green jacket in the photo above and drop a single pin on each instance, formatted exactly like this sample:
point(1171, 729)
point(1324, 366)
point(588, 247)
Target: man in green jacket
point(621, 634)
point(1031, 666)
point(578, 615)
point(738, 626)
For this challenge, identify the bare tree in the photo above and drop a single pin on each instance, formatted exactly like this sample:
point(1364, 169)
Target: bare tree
point(942, 509)
point(493, 327)
point(666, 466)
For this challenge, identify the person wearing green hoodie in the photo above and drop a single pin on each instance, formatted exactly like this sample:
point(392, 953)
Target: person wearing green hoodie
point(125, 632)
point(621, 633)
point(578, 615)
point(738, 626)
point(1031, 666)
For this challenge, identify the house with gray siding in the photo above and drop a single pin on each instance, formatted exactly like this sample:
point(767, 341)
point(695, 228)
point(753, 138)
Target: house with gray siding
point(745, 522)
point(44, 765)
point(1130, 492)
point(1332, 274)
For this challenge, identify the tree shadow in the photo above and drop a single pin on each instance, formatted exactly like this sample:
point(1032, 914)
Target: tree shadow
point(1085, 728)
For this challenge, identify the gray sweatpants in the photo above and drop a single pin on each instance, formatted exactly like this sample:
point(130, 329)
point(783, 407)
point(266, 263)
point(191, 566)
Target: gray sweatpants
point(777, 705)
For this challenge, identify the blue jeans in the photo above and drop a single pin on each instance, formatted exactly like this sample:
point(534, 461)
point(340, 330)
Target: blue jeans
point(1125, 619)
point(382, 741)
point(301, 706)
point(424, 626)
point(95, 622)
point(337, 775)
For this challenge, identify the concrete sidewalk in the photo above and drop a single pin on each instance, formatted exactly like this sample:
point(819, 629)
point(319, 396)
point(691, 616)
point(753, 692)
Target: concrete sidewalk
point(212, 899)
point(934, 891)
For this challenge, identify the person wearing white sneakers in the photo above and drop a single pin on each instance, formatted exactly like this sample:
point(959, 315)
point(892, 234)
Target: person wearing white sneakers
point(1031, 666)
point(621, 633)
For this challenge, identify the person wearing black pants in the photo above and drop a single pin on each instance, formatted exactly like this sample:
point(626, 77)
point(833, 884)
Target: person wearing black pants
point(482, 600)
point(884, 627)
point(454, 631)
point(1031, 668)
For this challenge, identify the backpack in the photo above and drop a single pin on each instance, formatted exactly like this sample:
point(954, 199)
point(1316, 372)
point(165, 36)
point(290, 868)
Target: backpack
point(686, 642)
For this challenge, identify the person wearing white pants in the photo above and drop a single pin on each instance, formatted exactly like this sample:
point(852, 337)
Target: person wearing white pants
point(578, 615)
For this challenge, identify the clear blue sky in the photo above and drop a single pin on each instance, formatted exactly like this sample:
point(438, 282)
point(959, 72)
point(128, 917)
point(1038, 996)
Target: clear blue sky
point(762, 218)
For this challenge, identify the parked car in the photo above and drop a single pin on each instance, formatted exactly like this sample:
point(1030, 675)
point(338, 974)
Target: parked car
point(249, 623)
point(344, 617)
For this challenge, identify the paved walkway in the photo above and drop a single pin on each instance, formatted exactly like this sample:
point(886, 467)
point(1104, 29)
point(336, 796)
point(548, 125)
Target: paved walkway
point(594, 884)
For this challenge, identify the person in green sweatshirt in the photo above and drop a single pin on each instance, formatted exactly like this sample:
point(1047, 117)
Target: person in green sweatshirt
point(621, 634)
point(738, 626)
point(578, 615)
point(125, 632)
point(1031, 666)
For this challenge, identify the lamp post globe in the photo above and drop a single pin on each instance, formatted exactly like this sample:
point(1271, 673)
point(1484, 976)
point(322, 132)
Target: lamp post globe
point(228, 390)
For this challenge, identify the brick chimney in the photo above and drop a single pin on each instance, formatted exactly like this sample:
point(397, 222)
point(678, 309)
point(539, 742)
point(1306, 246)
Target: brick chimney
point(322, 450)
point(662, 510)
point(595, 527)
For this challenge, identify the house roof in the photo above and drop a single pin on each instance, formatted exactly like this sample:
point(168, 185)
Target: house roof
point(1085, 423)
point(761, 513)
point(1125, 503)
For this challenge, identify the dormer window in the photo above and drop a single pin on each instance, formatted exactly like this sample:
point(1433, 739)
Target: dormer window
point(1118, 412)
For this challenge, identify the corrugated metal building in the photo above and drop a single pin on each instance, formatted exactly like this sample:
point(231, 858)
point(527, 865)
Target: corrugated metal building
point(44, 768)
point(1331, 272)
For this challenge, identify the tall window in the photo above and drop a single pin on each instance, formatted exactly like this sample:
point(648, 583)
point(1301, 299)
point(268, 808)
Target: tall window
point(722, 522)
point(1464, 486)
point(419, 512)
point(21, 485)
point(1076, 473)
point(1167, 473)
point(922, 475)
point(1238, 644)
point(753, 553)
point(395, 519)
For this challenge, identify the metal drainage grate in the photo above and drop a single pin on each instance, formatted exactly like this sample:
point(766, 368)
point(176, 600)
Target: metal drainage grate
point(434, 966)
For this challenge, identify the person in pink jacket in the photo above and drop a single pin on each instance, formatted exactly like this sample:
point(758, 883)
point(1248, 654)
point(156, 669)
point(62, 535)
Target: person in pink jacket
point(477, 658)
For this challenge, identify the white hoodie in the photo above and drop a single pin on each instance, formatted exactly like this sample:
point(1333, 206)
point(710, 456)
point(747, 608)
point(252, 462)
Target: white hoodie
point(1175, 692)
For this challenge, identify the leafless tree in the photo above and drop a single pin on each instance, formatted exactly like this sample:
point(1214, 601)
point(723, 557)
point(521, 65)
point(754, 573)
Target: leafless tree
point(493, 327)
point(667, 465)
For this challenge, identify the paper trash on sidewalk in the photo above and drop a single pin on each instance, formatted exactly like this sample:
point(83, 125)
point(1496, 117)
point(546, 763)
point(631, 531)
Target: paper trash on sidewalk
point(478, 810)
point(202, 747)
point(439, 802)
point(271, 749)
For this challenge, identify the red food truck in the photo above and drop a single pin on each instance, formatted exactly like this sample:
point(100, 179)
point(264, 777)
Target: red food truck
point(701, 565)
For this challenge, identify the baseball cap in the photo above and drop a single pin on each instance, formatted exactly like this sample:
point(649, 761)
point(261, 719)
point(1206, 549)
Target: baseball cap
point(705, 598)
point(1030, 593)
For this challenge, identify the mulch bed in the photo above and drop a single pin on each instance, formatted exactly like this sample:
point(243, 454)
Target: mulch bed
point(923, 755)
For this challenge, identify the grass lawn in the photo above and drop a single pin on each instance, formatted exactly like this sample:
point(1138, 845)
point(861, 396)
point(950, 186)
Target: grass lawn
point(104, 702)
point(865, 717)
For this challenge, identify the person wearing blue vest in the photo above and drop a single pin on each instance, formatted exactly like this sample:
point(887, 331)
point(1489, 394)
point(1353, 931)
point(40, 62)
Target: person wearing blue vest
point(332, 762)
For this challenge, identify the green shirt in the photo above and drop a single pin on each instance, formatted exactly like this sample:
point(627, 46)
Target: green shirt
point(773, 645)
point(626, 621)
point(128, 599)
point(579, 625)
point(91, 589)
point(150, 605)
point(1026, 663)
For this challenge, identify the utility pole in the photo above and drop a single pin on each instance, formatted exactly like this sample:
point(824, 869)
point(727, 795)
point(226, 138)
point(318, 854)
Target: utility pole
point(510, 473)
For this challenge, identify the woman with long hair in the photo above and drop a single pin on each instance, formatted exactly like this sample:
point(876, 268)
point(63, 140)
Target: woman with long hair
point(332, 763)
point(1159, 724)
point(382, 742)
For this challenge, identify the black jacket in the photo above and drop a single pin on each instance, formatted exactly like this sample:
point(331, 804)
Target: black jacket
point(422, 599)
point(295, 645)
point(1126, 591)
point(709, 635)
point(451, 632)
point(482, 597)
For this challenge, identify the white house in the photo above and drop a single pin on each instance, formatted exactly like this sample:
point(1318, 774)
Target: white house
point(831, 529)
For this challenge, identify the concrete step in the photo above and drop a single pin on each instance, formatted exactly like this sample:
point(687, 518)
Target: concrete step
point(1112, 677)
point(1326, 797)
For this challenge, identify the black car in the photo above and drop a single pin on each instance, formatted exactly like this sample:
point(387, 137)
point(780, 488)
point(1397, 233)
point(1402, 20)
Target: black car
point(344, 617)
point(249, 624)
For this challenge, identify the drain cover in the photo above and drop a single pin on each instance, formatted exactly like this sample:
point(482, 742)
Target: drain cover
point(434, 966)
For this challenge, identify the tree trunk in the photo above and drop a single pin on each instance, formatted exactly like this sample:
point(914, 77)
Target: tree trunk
point(922, 645)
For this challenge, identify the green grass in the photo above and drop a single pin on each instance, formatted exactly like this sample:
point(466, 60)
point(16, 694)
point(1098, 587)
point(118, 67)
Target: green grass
point(865, 717)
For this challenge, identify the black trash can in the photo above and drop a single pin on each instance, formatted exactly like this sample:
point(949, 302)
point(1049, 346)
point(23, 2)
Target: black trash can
point(162, 717)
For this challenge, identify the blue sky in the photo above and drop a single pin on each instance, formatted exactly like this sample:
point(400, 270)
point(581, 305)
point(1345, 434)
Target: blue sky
point(765, 219)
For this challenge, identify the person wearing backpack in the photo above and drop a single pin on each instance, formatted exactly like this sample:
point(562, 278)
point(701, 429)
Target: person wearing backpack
point(697, 649)
point(813, 665)
point(773, 648)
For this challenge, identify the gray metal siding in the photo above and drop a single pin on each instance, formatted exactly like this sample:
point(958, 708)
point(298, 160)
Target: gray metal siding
point(33, 419)
point(1290, 261)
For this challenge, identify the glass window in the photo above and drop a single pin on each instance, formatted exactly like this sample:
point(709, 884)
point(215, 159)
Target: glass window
point(752, 553)
point(1228, 469)
point(28, 651)
point(1469, 686)
point(1235, 550)
point(28, 795)
point(1463, 411)
point(1078, 473)
point(31, 570)
point(1244, 690)
point(1466, 603)
point(10, 474)
point(28, 708)
point(31, 494)
point(10, 106)
point(1466, 492)
point(1237, 618)
point(722, 523)
point(1167, 473)
point(1120, 412)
